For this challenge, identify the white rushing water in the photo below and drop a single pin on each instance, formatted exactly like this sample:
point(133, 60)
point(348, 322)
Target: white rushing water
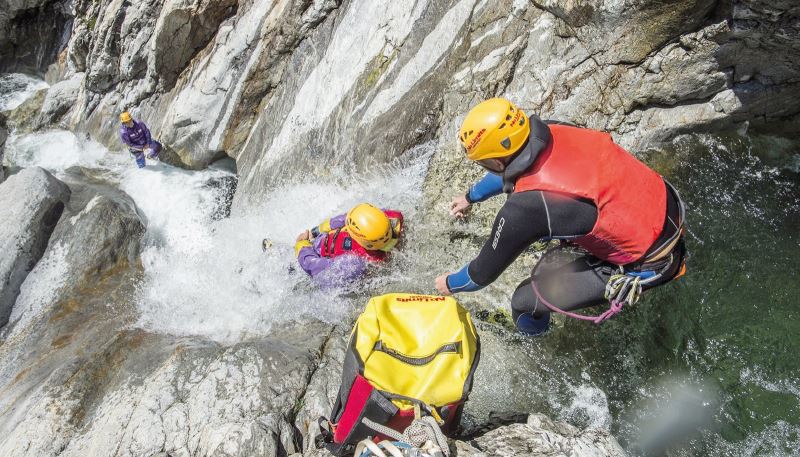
point(208, 276)
point(15, 88)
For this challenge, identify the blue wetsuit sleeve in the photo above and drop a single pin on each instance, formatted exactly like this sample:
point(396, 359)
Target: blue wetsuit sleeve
point(460, 281)
point(489, 186)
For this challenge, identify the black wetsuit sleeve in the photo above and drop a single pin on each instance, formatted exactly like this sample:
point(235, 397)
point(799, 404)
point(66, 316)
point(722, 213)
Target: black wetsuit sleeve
point(525, 218)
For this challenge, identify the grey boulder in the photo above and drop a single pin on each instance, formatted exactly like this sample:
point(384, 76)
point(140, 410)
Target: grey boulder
point(31, 203)
point(97, 237)
point(59, 99)
point(544, 437)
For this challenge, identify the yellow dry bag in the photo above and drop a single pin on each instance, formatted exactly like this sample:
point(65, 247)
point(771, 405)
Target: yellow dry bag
point(407, 353)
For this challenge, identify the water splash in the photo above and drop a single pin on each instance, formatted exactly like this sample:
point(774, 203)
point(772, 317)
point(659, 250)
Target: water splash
point(57, 150)
point(15, 88)
point(210, 277)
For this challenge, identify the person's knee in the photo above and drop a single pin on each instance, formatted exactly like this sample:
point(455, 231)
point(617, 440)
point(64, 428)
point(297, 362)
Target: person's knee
point(527, 318)
point(522, 300)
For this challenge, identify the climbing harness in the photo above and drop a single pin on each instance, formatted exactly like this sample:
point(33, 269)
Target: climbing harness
point(423, 438)
point(623, 288)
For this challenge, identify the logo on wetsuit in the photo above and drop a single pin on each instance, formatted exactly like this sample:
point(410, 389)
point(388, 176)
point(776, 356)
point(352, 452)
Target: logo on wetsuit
point(500, 225)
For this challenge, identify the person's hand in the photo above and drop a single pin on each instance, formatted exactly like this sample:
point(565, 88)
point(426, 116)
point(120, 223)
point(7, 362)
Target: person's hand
point(304, 235)
point(441, 284)
point(459, 207)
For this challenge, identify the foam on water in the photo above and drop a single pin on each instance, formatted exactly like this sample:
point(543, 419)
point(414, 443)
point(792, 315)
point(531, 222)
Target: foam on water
point(41, 286)
point(209, 277)
point(15, 88)
point(58, 150)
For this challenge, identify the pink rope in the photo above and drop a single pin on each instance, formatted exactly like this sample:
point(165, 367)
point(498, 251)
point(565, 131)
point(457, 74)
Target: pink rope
point(616, 307)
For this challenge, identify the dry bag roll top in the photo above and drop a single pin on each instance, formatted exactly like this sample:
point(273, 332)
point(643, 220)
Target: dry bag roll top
point(406, 352)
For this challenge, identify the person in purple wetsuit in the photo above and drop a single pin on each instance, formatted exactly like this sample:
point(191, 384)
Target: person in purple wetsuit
point(136, 136)
point(339, 250)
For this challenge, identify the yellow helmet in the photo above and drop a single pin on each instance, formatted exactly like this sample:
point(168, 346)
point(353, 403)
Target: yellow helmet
point(369, 226)
point(494, 128)
point(125, 117)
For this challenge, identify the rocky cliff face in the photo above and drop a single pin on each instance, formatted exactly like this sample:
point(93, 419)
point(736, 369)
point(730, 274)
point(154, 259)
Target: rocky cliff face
point(32, 33)
point(31, 203)
point(267, 81)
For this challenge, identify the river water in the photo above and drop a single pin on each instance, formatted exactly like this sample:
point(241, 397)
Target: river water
point(714, 351)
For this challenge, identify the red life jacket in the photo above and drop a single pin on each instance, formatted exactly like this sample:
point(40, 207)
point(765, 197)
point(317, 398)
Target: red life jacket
point(339, 242)
point(630, 198)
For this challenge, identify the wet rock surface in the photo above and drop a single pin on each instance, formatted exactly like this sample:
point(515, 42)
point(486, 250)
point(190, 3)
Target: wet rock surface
point(96, 238)
point(146, 394)
point(59, 99)
point(264, 82)
point(31, 203)
point(32, 32)
point(540, 436)
point(25, 117)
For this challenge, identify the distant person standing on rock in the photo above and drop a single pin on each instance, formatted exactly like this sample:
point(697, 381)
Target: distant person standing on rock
point(136, 135)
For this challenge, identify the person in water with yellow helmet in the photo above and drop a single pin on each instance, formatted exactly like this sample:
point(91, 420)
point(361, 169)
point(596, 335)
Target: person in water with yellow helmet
point(340, 248)
point(575, 185)
point(136, 136)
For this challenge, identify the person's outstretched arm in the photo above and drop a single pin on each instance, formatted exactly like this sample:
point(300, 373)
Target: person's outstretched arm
point(308, 258)
point(525, 218)
point(488, 187)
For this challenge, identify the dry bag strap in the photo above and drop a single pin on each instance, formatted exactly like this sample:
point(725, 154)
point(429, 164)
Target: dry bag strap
point(449, 348)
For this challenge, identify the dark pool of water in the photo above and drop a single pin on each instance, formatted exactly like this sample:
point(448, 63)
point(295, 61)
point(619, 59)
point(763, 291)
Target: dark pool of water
point(716, 350)
point(706, 365)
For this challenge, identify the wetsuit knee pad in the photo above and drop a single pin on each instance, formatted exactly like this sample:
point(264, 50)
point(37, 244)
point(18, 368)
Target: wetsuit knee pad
point(531, 326)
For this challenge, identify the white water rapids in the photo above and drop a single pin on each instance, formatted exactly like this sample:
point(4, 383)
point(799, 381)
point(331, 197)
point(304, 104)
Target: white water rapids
point(210, 277)
point(16, 88)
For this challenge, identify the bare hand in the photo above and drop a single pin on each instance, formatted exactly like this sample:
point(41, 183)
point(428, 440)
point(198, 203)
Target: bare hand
point(441, 284)
point(459, 207)
point(304, 235)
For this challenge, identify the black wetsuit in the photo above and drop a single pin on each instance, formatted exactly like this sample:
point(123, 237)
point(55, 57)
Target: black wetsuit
point(531, 216)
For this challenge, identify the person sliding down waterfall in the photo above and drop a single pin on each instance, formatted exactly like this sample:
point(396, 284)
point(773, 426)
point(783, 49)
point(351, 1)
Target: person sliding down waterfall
point(575, 185)
point(136, 136)
point(339, 249)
